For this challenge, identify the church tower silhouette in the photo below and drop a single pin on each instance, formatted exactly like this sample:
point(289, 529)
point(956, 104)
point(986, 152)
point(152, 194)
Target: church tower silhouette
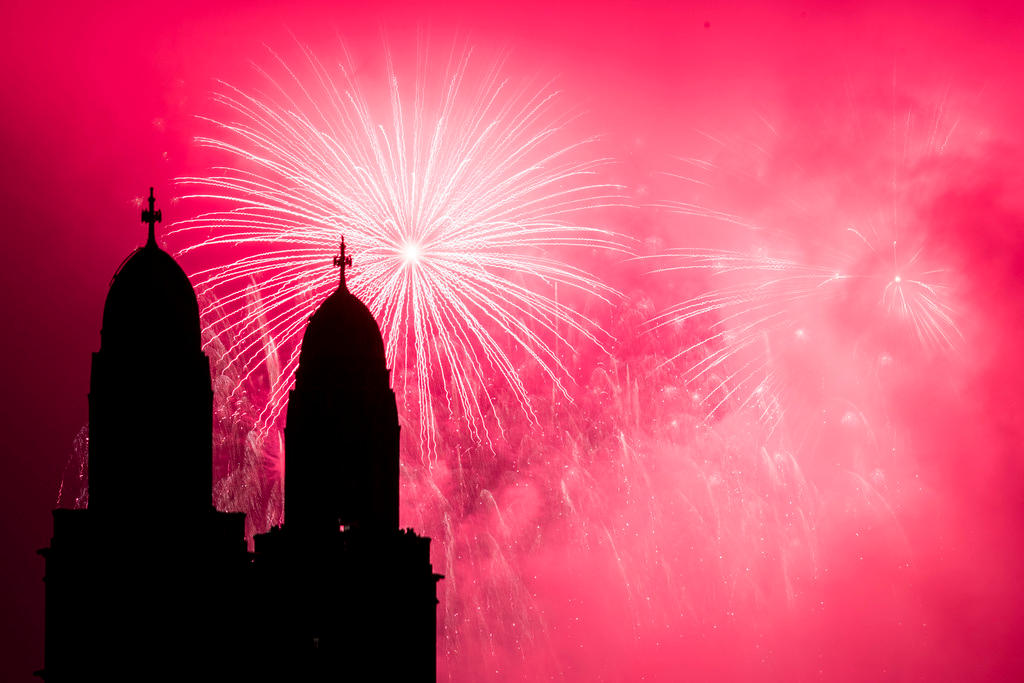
point(151, 582)
point(340, 550)
point(132, 581)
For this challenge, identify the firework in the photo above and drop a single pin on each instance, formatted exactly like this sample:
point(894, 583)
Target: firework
point(456, 203)
point(823, 276)
point(626, 503)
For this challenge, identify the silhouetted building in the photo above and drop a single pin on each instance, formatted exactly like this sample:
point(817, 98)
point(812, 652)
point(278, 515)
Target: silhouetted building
point(132, 581)
point(152, 583)
point(340, 551)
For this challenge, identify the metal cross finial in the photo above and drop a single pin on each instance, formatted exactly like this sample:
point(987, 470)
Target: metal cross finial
point(152, 217)
point(342, 261)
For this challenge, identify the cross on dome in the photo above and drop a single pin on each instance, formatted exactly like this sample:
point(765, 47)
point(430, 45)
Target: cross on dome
point(152, 217)
point(342, 261)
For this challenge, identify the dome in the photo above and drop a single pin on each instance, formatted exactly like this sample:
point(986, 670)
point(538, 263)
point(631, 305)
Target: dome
point(341, 333)
point(151, 306)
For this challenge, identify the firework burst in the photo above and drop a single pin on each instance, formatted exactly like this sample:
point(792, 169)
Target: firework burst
point(456, 203)
point(854, 272)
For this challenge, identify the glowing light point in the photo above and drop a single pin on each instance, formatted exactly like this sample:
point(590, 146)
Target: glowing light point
point(897, 279)
point(411, 253)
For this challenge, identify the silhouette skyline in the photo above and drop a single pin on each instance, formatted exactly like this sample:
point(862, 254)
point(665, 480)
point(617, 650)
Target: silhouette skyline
point(162, 589)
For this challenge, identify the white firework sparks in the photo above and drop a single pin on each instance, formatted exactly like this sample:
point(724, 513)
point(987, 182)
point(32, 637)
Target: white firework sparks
point(456, 205)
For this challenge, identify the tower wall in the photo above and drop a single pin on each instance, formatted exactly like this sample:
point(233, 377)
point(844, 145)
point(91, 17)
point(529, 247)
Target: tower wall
point(151, 433)
point(342, 451)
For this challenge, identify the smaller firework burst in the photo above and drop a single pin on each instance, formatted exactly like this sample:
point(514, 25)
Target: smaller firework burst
point(840, 279)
